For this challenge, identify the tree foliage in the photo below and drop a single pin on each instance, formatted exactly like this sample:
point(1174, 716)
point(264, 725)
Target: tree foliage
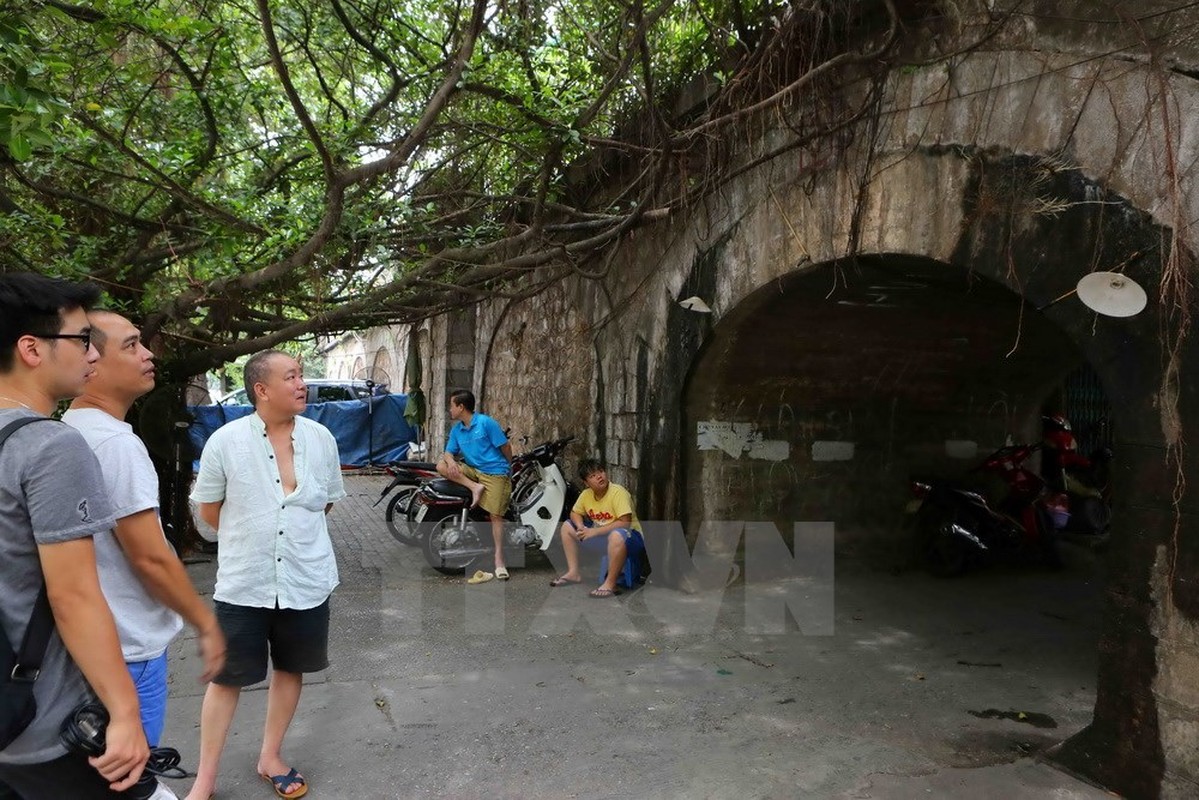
point(238, 173)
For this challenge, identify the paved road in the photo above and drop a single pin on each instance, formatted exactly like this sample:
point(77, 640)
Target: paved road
point(516, 690)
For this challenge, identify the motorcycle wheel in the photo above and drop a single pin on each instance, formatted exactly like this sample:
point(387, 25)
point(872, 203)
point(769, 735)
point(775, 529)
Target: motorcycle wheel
point(399, 517)
point(446, 534)
point(945, 553)
point(522, 492)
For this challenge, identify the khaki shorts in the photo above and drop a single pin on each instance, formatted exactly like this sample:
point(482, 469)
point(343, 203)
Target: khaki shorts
point(497, 490)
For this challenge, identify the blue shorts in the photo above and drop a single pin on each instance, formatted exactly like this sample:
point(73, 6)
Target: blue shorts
point(150, 678)
point(632, 538)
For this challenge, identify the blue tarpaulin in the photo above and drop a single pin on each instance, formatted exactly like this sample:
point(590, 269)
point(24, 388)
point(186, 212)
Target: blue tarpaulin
point(350, 421)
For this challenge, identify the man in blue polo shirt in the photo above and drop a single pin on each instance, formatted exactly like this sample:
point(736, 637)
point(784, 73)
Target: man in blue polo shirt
point(487, 456)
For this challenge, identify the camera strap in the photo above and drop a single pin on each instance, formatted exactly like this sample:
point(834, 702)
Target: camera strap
point(27, 662)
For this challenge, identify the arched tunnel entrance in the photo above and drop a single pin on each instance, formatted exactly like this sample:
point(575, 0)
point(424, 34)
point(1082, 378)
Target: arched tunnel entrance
point(819, 397)
point(882, 367)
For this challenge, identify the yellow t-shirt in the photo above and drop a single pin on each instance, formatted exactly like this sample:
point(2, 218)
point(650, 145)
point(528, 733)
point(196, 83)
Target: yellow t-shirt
point(615, 503)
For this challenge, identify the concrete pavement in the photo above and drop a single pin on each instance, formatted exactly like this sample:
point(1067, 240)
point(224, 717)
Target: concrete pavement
point(927, 688)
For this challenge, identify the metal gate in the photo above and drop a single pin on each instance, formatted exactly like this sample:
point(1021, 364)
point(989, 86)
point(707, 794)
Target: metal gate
point(1087, 408)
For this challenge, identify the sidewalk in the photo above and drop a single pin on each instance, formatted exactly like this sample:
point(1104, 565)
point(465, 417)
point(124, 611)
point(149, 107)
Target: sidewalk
point(517, 690)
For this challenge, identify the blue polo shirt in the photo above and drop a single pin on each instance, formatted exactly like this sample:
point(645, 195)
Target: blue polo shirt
point(479, 445)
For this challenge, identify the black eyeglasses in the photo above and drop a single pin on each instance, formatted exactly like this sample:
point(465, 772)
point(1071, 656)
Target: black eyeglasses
point(85, 337)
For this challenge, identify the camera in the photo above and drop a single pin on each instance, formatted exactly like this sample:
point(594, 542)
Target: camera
point(83, 732)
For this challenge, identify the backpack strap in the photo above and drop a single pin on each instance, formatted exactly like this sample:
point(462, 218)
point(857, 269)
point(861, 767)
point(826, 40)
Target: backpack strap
point(28, 662)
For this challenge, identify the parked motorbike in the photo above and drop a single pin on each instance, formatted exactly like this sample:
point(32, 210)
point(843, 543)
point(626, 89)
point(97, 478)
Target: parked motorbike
point(957, 527)
point(454, 535)
point(407, 476)
point(1081, 484)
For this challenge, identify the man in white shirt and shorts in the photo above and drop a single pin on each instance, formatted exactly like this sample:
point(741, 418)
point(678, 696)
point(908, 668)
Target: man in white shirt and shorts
point(266, 483)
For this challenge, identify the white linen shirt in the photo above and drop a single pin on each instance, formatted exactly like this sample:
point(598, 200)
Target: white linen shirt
point(274, 549)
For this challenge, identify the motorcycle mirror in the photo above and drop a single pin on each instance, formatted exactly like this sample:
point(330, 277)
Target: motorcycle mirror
point(1112, 294)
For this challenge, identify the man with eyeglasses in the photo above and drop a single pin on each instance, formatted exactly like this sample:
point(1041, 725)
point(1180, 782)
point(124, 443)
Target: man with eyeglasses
point(52, 502)
point(146, 585)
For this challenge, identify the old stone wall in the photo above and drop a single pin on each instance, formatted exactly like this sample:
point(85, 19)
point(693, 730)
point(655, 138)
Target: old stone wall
point(536, 368)
point(451, 364)
point(1058, 149)
point(375, 351)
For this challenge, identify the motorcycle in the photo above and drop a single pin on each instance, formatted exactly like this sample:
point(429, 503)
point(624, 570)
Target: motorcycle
point(401, 511)
point(1081, 484)
point(957, 527)
point(454, 535)
point(409, 475)
point(1089, 491)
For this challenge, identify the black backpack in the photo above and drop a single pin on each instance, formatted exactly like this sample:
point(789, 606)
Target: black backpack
point(19, 671)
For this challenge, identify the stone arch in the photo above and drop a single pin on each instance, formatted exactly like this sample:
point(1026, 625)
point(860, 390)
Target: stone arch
point(1016, 221)
point(821, 393)
point(381, 365)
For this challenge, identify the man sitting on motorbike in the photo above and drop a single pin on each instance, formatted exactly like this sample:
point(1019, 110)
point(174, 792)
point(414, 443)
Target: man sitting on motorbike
point(603, 521)
point(487, 454)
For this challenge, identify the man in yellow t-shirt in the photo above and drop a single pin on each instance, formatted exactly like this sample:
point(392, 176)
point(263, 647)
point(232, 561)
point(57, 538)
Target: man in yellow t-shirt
point(602, 520)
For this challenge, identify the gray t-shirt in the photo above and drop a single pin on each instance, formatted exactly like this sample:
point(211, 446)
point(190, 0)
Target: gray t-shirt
point(50, 492)
point(145, 625)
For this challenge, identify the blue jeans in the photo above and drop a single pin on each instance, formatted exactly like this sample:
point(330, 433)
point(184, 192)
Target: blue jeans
point(150, 678)
point(634, 547)
point(599, 544)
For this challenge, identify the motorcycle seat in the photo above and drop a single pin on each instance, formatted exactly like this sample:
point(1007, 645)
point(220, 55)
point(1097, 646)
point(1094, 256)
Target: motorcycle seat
point(420, 465)
point(449, 488)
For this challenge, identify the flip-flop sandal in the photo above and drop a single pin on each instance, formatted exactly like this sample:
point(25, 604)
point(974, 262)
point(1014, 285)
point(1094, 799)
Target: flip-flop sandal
point(480, 577)
point(501, 573)
point(277, 783)
point(602, 593)
point(556, 582)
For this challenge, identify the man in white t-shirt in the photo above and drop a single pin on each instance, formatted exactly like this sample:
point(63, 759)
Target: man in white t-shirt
point(266, 483)
point(143, 580)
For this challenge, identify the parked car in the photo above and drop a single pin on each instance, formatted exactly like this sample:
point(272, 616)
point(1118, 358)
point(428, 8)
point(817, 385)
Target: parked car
point(320, 390)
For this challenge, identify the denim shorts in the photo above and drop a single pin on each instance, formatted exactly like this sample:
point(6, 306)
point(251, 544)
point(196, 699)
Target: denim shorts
point(150, 678)
point(632, 538)
point(296, 641)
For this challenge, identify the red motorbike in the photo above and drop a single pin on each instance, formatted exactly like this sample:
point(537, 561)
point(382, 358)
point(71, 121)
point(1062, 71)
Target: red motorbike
point(957, 527)
point(1080, 485)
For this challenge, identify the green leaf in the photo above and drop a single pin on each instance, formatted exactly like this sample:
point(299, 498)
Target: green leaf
point(19, 147)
